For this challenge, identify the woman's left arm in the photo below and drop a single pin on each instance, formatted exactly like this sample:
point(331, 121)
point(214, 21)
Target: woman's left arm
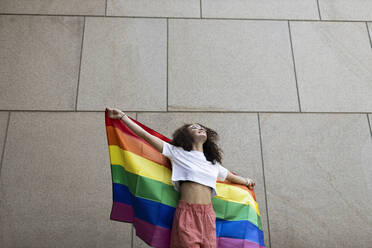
point(240, 180)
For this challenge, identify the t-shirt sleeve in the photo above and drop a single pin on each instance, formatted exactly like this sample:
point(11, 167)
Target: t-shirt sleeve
point(222, 172)
point(168, 150)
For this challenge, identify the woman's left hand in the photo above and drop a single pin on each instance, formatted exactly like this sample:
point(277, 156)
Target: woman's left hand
point(250, 183)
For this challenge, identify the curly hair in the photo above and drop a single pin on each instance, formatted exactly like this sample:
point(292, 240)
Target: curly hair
point(182, 138)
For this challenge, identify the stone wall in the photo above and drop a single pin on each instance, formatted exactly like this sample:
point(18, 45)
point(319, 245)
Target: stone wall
point(287, 85)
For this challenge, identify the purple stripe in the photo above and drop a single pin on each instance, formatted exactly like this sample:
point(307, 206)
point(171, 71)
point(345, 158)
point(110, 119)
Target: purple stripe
point(241, 243)
point(159, 237)
point(122, 212)
point(155, 236)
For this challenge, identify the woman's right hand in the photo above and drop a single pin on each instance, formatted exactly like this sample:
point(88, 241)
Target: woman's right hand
point(114, 113)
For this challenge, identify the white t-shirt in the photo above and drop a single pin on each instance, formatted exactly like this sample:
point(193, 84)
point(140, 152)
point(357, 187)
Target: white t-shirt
point(193, 166)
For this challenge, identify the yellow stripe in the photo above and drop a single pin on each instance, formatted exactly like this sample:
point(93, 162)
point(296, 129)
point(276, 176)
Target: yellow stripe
point(231, 193)
point(141, 166)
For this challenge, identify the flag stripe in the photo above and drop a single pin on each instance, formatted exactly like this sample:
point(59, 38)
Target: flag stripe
point(230, 242)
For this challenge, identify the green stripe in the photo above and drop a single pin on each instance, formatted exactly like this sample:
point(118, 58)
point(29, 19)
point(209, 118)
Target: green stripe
point(152, 190)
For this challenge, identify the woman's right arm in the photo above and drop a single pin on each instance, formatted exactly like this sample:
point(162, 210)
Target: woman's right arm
point(153, 140)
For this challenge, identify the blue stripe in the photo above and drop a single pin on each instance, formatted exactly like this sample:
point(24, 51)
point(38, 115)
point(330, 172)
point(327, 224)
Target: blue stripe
point(122, 194)
point(150, 211)
point(160, 214)
point(240, 229)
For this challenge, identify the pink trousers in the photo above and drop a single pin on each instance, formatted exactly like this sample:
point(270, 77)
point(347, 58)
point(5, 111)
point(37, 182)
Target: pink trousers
point(194, 226)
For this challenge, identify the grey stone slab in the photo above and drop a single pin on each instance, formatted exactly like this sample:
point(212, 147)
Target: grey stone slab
point(124, 61)
point(345, 10)
point(269, 9)
point(333, 65)
point(230, 65)
point(56, 186)
point(66, 7)
point(238, 139)
point(159, 8)
point(3, 124)
point(318, 177)
point(39, 62)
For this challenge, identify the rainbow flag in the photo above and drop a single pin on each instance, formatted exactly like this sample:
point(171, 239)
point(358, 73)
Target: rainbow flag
point(143, 193)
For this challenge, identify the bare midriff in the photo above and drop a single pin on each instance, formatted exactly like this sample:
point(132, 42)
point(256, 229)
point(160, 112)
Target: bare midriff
point(193, 192)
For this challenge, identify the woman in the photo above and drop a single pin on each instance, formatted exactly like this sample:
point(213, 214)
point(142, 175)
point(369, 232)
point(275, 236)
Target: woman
point(196, 164)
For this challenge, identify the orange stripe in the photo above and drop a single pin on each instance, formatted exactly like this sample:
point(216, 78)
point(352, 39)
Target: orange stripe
point(136, 145)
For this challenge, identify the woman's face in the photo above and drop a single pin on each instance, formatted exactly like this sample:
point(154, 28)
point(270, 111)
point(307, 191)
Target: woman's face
point(198, 132)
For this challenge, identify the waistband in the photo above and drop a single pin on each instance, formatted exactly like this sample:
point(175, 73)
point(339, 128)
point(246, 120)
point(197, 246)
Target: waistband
point(195, 206)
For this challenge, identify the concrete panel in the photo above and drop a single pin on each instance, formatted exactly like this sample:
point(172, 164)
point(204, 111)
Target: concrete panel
point(232, 65)
point(239, 140)
point(333, 65)
point(65, 7)
point(39, 62)
point(345, 10)
point(56, 186)
point(318, 179)
point(269, 9)
point(124, 61)
point(3, 123)
point(159, 8)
